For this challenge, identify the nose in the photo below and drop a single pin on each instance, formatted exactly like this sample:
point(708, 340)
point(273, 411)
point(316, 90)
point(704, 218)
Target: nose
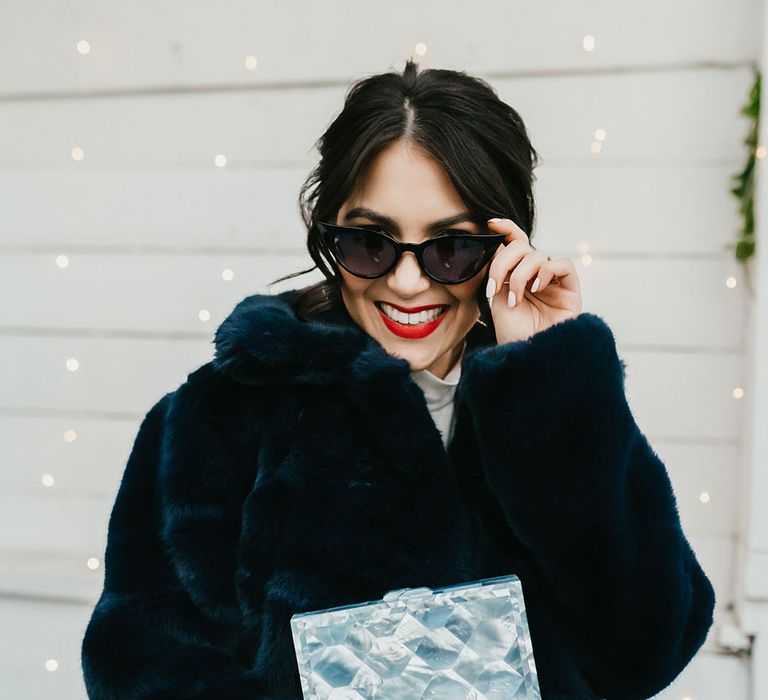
point(407, 279)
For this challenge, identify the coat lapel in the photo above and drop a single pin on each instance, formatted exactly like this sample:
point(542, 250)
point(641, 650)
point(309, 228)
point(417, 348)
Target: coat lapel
point(263, 343)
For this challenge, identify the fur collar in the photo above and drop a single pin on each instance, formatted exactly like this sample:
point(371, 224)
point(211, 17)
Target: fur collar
point(263, 342)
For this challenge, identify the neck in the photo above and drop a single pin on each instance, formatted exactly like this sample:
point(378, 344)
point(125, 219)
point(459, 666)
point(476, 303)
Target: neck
point(456, 352)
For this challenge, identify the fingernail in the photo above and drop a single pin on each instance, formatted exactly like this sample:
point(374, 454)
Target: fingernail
point(511, 300)
point(494, 220)
point(490, 288)
point(535, 284)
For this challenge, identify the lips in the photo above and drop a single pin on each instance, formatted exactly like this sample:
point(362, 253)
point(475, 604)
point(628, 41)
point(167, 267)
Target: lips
point(413, 331)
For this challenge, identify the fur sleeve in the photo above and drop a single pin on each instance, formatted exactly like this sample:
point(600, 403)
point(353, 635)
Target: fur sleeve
point(583, 491)
point(151, 635)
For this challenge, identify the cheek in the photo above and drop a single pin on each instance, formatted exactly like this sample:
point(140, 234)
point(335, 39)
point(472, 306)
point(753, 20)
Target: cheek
point(355, 288)
point(466, 293)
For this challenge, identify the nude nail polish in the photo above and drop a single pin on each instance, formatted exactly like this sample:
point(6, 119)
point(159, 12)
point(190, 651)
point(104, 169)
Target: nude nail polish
point(490, 289)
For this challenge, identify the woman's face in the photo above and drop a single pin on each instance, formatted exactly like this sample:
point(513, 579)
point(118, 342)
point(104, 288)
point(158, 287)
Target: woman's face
point(411, 188)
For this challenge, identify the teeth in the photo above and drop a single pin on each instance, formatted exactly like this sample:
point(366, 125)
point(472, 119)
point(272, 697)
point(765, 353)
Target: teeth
point(410, 319)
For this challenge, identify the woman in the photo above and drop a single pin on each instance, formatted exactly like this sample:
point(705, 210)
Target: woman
point(335, 448)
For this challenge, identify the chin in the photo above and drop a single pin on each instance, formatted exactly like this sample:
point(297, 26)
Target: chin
point(417, 360)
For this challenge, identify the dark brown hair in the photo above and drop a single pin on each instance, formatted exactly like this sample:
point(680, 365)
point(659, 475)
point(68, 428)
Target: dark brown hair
point(456, 118)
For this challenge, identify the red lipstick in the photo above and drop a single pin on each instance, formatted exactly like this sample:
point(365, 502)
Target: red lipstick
point(415, 330)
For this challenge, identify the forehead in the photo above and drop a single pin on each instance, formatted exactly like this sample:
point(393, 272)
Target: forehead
point(408, 185)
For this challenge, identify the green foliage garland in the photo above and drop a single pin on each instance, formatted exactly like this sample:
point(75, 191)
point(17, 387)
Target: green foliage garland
point(744, 182)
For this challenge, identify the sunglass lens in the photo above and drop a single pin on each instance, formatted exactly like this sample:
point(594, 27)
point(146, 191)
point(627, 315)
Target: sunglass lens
point(363, 252)
point(454, 259)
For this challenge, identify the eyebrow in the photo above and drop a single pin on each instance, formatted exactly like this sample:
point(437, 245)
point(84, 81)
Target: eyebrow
point(434, 227)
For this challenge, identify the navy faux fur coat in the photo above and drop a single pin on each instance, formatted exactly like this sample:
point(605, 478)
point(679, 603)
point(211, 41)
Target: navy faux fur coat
point(300, 469)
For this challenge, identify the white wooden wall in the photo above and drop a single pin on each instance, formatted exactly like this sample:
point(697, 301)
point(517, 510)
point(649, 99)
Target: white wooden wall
point(148, 222)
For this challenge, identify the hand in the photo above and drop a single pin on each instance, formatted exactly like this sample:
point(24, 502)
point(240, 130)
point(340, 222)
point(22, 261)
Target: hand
point(555, 297)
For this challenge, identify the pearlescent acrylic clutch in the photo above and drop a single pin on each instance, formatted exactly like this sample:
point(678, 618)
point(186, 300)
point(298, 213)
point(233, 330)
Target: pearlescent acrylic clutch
point(465, 642)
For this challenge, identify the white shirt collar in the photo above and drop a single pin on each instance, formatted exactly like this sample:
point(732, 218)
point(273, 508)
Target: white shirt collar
point(439, 392)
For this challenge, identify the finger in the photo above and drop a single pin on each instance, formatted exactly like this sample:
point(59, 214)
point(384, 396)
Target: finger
point(528, 267)
point(563, 269)
point(545, 276)
point(505, 258)
point(513, 231)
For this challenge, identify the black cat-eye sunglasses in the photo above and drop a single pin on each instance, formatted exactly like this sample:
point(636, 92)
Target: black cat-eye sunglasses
point(449, 258)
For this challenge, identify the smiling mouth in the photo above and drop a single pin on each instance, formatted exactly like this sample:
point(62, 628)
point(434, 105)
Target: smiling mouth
point(411, 319)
